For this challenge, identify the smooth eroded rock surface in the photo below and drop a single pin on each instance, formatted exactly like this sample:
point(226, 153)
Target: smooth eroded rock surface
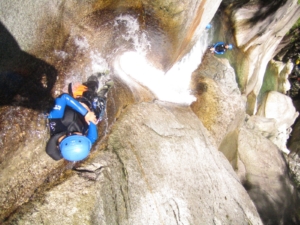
point(159, 168)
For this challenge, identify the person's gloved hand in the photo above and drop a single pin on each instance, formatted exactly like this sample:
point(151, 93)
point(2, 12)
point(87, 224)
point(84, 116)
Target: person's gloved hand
point(90, 117)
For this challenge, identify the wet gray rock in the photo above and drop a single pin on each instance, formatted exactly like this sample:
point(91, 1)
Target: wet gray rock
point(293, 158)
point(25, 167)
point(159, 168)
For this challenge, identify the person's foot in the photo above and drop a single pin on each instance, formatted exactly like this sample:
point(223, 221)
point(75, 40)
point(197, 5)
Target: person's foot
point(105, 88)
point(108, 84)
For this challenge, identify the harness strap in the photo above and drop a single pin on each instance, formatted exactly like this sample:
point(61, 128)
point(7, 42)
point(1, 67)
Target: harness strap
point(70, 89)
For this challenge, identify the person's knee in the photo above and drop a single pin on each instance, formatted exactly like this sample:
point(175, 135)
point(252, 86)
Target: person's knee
point(56, 155)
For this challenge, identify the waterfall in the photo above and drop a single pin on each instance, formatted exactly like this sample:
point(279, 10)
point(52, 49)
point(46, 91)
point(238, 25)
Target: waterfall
point(133, 66)
point(128, 60)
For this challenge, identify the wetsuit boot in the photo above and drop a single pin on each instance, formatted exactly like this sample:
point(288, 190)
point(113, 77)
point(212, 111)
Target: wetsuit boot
point(103, 91)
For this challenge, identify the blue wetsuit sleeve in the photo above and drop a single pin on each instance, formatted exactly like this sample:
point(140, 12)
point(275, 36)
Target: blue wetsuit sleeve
point(61, 103)
point(92, 133)
point(219, 43)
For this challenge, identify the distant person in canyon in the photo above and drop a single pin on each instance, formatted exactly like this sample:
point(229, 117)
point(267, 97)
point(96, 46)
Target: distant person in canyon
point(208, 26)
point(220, 48)
point(73, 120)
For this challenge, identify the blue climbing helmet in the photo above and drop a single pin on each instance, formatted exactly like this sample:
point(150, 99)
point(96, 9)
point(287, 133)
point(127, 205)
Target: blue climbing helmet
point(75, 147)
point(230, 46)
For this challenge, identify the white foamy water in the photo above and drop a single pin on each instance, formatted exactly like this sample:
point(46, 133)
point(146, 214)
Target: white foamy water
point(172, 86)
point(99, 63)
point(133, 34)
point(81, 43)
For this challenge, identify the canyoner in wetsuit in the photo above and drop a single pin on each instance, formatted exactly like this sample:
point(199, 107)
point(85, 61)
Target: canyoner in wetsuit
point(73, 119)
point(220, 48)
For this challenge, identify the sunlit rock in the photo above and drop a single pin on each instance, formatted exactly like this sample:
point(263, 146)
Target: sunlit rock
point(283, 83)
point(258, 33)
point(267, 127)
point(219, 105)
point(279, 107)
point(276, 78)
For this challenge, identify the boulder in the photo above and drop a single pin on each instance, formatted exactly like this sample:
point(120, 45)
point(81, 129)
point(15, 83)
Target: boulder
point(279, 107)
point(219, 105)
point(263, 171)
point(276, 78)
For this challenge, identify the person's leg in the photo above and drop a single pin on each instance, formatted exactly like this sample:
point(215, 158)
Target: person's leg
point(101, 100)
point(97, 99)
point(52, 149)
point(100, 109)
point(103, 91)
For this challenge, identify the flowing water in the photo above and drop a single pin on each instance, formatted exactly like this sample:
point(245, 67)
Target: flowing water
point(171, 86)
point(128, 60)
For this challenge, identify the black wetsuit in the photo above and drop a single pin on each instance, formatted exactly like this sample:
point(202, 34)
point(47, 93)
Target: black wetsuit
point(220, 48)
point(72, 120)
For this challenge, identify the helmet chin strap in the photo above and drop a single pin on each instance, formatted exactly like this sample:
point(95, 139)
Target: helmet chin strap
point(73, 133)
point(68, 134)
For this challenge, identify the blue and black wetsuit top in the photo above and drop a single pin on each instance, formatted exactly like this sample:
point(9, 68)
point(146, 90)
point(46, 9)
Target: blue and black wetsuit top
point(220, 48)
point(66, 117)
